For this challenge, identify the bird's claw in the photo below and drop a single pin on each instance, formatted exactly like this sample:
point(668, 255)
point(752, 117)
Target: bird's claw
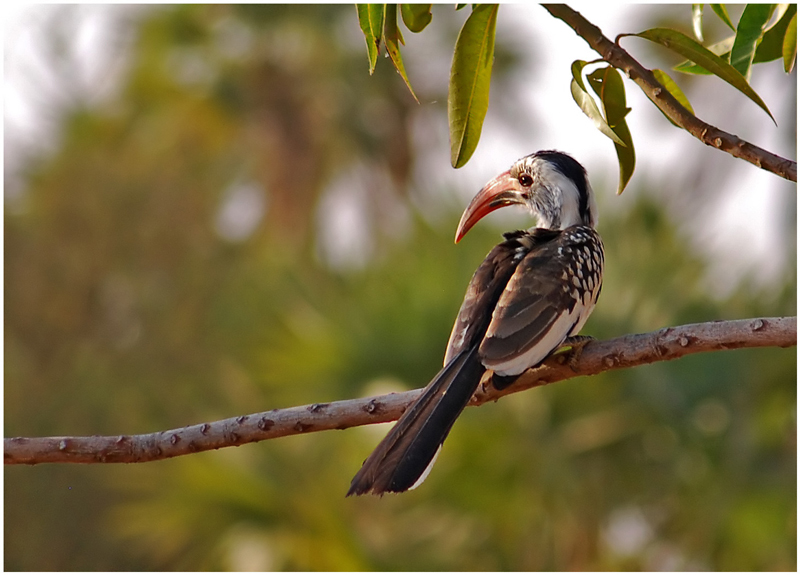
point(576, 344)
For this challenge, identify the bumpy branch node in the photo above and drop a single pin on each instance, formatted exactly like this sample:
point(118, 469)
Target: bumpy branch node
point(596, 357)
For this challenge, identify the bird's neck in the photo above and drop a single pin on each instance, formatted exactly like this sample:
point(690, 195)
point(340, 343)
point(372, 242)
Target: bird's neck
point(562, 208)
point(558, 212)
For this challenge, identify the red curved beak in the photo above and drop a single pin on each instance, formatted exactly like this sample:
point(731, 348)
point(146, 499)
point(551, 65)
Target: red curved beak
point(504, 190)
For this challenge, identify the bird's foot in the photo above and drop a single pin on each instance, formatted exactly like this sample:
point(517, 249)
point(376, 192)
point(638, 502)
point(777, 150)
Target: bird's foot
point(576, 343)
point(500, 382)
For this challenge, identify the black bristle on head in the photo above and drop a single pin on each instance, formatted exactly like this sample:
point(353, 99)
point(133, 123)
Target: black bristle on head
point(572, 169)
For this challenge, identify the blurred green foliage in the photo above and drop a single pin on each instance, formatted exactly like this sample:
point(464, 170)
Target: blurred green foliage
point(132, 306)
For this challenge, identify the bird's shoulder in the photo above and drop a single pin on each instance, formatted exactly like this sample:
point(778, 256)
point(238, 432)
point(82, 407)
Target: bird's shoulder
point(490, 280)
point(551, 257)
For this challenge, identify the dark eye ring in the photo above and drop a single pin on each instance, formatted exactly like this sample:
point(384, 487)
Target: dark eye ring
point(525, 180)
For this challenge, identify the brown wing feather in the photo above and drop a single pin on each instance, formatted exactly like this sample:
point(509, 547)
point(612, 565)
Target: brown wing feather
point(484, 290)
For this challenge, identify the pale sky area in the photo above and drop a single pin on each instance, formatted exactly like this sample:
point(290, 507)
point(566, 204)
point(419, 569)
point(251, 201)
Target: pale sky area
point(753, 204)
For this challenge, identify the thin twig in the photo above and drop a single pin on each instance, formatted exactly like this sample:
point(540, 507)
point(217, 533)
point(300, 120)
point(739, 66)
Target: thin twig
point(710, 135)
point(597, 357)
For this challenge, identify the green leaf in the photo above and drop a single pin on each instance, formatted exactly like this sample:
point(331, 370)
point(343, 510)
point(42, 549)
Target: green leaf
point(608, 85)
point(470, 75)
point(393, 39)
point(780, 11)
point(416, 16)
point(697, 21)
point(668, 83)
point(587, 104)
point(688, 48)
point(721, 49)
point(748, 34)
point(790, 45)
point(722, 12)
point(459, 6)
point(771, 46)
point(370, 18)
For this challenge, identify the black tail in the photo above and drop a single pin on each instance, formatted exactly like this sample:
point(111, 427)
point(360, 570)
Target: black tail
point(401, 460)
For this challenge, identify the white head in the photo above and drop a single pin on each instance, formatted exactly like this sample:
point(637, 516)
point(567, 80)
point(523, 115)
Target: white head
point(551, 184)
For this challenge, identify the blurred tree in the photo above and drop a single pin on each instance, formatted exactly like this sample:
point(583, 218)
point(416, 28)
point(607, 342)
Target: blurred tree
point(166, 264)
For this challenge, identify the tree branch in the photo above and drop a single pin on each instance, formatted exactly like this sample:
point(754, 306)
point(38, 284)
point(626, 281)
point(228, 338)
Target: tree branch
point(597, 357)
point(615, 55)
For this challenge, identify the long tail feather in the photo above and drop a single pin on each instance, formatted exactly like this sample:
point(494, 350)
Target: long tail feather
point(403, 458)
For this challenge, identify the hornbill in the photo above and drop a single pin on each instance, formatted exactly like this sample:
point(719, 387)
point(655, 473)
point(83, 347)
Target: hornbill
point(530, 296)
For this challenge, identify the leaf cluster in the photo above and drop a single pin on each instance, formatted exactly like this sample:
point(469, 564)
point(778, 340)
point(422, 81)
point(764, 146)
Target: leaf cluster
point(754, 40)
point(471, 72)
point(731, 60)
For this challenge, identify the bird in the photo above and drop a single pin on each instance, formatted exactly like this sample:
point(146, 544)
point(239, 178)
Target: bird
point(529, 298)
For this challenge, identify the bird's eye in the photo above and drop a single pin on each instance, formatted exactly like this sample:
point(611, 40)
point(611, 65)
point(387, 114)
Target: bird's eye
point(525, 180)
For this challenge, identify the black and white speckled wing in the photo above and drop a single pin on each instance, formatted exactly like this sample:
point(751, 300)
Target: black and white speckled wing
point(549, 297)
